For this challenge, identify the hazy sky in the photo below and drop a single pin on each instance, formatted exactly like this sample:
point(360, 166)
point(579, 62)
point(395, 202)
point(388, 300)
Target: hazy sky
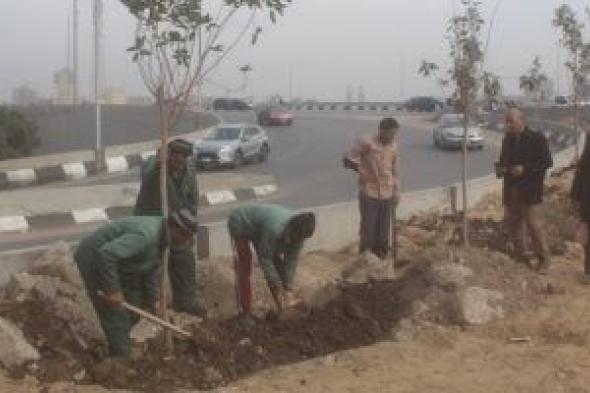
point(328, 44)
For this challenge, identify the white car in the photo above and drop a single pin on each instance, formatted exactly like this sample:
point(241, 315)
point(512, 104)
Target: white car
point(231, 145)
point(448, 133)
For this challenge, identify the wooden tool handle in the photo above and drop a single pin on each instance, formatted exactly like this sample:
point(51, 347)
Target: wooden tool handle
point(152, 318)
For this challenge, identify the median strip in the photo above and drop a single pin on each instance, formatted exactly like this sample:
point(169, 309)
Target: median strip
point(24, 223)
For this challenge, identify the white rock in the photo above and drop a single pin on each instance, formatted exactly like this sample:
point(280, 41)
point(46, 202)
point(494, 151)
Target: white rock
point(143, 331)
point(478, 306)
point(368, 267)
point(58, 262)
point(14, 348)
point(449, 275)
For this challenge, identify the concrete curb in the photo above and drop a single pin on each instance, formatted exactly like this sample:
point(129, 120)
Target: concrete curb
point(20, 223)
point(124, 158)
point(69, 171)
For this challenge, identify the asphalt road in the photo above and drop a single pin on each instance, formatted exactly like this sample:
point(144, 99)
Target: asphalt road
point(306, 157)
point(68, 129)
point(305, 160)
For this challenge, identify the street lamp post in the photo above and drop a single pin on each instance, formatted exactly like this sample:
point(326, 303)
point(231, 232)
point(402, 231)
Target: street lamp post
point(99, 155)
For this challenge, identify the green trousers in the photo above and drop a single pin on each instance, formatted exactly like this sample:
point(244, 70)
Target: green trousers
point(116, 322)
point(182, 271)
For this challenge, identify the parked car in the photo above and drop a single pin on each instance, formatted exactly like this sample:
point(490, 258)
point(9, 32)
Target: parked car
point(232, 145)
point(231, 104)
point(561, 102)
point(448, 133)
point(423, 104)
point(274, 116)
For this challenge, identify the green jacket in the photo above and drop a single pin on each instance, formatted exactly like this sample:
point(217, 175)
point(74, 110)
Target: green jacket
point(263, 224)
point(124, 252)
point(182, 192)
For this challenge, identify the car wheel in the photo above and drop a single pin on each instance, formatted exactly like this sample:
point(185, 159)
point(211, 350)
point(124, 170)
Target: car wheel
point(263, 153)
point(238, 159)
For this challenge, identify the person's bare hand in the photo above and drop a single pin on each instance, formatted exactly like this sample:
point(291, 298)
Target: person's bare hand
point(115, 299)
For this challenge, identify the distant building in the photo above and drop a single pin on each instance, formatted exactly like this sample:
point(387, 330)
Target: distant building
point(63, 82)
point(25, 96)
point(115, 96)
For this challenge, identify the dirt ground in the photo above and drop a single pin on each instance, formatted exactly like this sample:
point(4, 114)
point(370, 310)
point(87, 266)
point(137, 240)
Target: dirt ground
point(470, 360)
point(351, 341)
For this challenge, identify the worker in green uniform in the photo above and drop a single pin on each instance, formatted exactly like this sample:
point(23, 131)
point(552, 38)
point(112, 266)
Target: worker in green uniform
point(277, 234)
point(182, 194)
point(121, 262)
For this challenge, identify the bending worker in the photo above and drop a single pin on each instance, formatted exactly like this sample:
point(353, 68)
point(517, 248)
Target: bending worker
point(182, 194)
point(121, 262)
point(277, 234)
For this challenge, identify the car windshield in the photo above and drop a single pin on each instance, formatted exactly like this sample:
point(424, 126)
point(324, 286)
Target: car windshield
point(455, 122)
point(223, 134)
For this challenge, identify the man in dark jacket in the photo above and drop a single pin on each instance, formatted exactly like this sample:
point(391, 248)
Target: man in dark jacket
point(581, 198)
point(182, 194)
point(121, 262)
point(524, 160)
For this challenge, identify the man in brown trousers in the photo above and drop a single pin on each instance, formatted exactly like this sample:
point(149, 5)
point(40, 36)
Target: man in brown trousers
point(524, 160)
point(375, 158)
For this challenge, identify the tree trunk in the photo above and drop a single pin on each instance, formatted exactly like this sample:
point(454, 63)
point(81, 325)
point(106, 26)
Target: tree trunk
point(464, 176)
point(163, 161)
point(576, 129)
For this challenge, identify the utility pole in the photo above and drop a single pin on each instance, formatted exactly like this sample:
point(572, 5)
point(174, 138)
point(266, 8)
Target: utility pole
point(97, 21)
point(75, 53)
point(290, 83)
point(402, 74)
point(69, 61)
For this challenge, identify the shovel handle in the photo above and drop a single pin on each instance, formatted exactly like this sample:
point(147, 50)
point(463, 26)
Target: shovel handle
point(152, 318)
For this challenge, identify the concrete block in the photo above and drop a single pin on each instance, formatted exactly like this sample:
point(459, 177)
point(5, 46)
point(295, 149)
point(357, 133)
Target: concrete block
point(147, 154)
point(3, 181)
point(84, 216)
point(91, 168)
point(264, 190)
point(220, 197)
point(133, 160)
point(115, 212)
point(21, 177)
point(74, 171)
point(13, 224)
point(49, 174)
point(50, 220)
point(245, 194)
point(116, 164)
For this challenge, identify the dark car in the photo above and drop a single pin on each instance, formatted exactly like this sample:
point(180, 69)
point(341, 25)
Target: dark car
point(423, 104)
point(274, 116)
point(231, 104)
